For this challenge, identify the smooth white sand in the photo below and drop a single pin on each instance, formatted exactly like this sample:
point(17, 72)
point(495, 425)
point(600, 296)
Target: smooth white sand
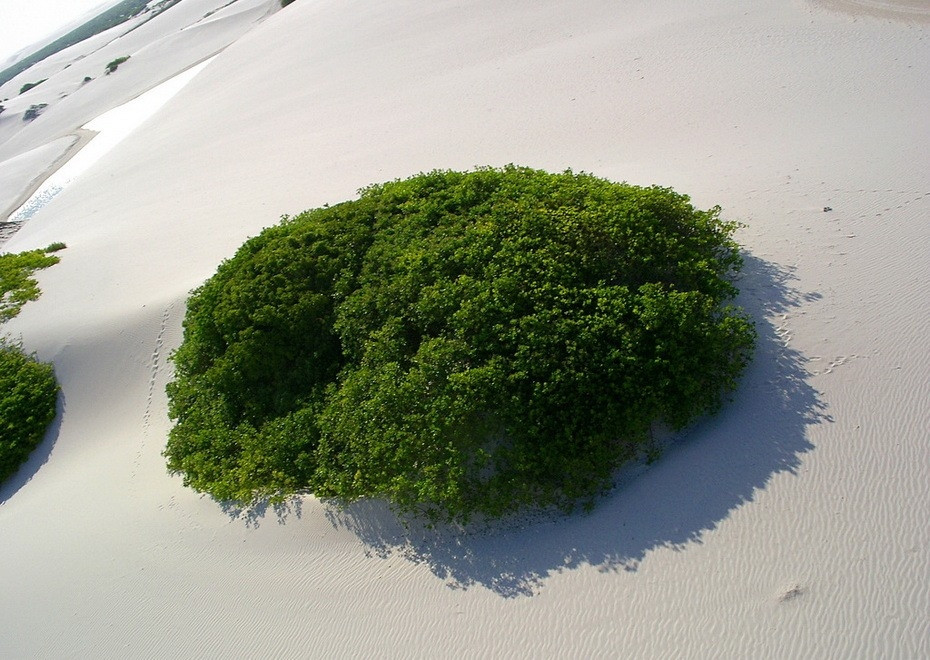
point(18, 175)
point(791, 525)
point(107, 130)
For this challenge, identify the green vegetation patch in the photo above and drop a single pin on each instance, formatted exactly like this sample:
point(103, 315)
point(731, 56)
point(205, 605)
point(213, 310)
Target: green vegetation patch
point(34, 111)
point(25, 88)
point(28, 392)
point(17, 286)
point(28, 389)
point(457, 343)
point(114, 64)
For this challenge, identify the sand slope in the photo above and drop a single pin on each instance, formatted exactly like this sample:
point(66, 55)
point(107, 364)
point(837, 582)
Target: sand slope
point(18, 178)
point(792, 525)
point(158, 49)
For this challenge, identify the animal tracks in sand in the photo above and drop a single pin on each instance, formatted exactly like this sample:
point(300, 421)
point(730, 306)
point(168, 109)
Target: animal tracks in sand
point(155, 364)
point(834, 363)
point(792, 593)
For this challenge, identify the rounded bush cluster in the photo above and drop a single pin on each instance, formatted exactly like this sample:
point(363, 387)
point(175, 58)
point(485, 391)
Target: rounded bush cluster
point(457, 343)
point(28, 392)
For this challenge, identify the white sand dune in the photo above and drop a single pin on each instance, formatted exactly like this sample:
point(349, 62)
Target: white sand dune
point(158, 49)
point(18, 178)
point(791, 525)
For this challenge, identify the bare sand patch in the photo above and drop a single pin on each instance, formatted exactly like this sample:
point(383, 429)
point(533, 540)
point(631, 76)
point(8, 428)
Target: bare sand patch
point(905, 10)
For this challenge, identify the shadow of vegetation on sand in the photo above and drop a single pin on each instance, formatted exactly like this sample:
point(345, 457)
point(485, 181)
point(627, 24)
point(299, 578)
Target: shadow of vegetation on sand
point(707, 472)
point(253, 513)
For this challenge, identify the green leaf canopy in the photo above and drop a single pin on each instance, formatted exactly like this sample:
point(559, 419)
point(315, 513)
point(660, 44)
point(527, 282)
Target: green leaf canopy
point(457, 343)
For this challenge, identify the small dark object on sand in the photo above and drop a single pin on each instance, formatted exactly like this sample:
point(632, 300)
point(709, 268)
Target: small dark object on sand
point(827, 209)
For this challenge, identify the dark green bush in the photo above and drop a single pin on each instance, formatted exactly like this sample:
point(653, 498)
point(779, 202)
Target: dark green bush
point(28, 389)
point(114, 65)
point(28, 392)
point(34, 111)
point(25, 88)
point(457, 343)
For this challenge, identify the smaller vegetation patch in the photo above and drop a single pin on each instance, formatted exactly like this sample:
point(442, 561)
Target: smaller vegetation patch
point(34, 111)
point(25, 88)
point(114, 65)
point(17, 286)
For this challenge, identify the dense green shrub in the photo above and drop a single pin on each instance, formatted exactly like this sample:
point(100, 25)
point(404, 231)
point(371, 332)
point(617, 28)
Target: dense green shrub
point(28, 392)
point(28, 389)
point(457, 343)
